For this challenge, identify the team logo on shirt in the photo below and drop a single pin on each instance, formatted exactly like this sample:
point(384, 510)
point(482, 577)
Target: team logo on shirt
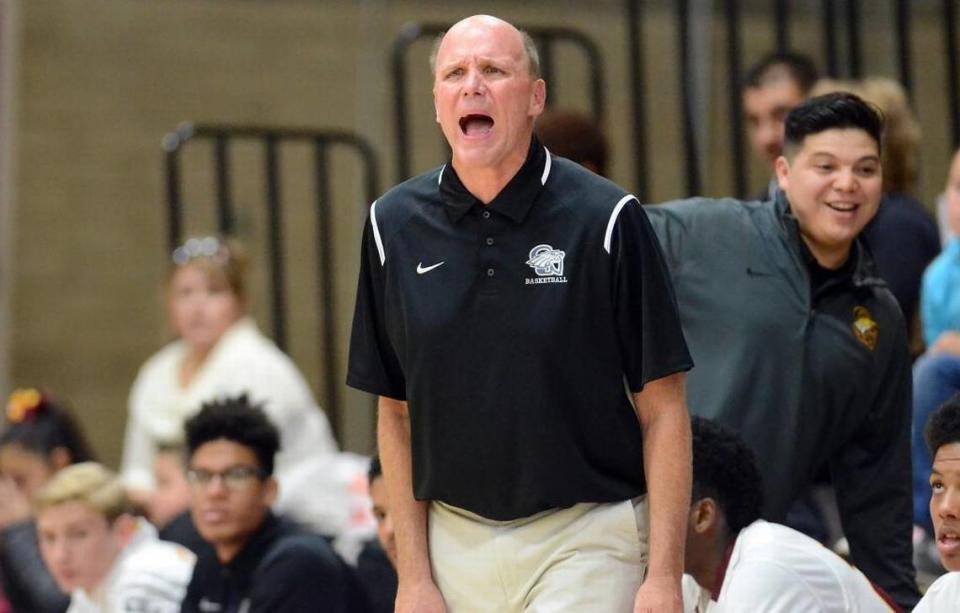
point(865, 328)
point(547, 262)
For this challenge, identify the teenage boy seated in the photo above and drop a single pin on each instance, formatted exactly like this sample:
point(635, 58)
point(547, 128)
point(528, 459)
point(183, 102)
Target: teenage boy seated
point(736, 561)
point(943, 439)
point(105, 558)
point(376, 566)
point(259, 562)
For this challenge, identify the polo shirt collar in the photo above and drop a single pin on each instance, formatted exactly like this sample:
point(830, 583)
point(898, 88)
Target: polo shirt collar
point(513, 201)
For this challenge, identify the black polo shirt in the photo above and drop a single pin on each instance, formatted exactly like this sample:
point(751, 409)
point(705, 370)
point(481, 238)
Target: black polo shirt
point(511, 329)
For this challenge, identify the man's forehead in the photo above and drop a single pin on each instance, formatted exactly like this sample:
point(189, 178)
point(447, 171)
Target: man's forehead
point(480, 35)
point(835, 141)
point(948, 455)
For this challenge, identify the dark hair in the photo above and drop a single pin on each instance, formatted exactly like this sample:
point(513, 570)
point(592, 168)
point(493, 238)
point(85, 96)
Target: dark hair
point(40, 424)
point(573, 135)
point(797, 67)
point(724, 469)
point(236, 420)
point(837, 110)
point(943, 427)
point(375, 470)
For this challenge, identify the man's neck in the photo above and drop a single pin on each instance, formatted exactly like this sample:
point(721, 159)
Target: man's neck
point(831, 259)
point(488, 181)
point(712, 562)
point(226, 552)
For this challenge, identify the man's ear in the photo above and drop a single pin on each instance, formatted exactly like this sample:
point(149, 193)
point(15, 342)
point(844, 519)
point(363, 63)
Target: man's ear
point(704, 515)
point(782, 169)
point(124, 527)
point(539, 99)
point(271, 490)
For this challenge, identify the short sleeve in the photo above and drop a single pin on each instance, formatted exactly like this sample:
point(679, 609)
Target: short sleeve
point(373, 364)
point(648, 321)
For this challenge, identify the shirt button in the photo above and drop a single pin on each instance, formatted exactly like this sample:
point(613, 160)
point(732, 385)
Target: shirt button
point(489, 240)
point(489, 272)
point(486, 214)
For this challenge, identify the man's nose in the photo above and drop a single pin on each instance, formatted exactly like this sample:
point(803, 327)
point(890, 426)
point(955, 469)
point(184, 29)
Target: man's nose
point(473, 83)
point(846, 180)
point(949, 507)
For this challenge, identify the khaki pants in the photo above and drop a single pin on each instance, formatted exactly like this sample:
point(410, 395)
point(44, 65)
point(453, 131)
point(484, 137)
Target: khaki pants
point(589, 557)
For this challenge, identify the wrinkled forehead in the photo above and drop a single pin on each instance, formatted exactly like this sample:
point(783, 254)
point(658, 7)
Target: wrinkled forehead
point(485, 37)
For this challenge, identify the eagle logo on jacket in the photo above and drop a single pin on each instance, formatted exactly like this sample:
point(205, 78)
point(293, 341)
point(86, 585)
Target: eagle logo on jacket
point(865, 328)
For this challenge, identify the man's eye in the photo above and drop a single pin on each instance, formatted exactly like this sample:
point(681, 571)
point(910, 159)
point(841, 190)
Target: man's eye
point(936, 486)
point(492, 70)
point(456, 72)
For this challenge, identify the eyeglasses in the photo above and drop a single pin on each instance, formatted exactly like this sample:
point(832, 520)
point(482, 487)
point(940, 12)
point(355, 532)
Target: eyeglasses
point(233, 478)
point(206, 247)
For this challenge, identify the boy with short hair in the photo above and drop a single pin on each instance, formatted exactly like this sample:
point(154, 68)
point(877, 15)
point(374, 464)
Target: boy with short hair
point(107, 559)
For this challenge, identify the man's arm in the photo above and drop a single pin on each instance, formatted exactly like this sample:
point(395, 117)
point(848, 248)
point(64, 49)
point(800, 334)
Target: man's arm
point(871, 475)
point(416, 592)
point(662, 411)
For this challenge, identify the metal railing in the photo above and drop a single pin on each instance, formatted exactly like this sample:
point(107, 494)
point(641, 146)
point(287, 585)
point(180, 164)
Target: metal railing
point(271, 139)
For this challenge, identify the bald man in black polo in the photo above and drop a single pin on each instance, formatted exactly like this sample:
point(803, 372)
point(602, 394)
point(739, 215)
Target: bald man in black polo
point(505, 302)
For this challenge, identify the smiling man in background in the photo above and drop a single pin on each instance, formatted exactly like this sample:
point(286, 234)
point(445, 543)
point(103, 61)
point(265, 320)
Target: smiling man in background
point(799, 345)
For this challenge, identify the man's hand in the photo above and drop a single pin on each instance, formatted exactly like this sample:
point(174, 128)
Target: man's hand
point(948, 343)
point(658, 595)
point(422, 597)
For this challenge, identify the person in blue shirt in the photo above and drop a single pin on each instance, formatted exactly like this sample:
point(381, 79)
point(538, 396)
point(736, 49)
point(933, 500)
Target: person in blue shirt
point(936, 374)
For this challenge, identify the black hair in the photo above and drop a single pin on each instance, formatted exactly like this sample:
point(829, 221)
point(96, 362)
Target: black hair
point(797, 67)
point(724, 469)
point(943, 427)
point(573, 135)
point(236, 420)
point(837, 110)
point(375, 470)
point(41, 424)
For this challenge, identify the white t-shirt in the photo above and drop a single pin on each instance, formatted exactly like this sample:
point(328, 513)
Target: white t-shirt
point(148, 575)
point(776, 569)
point(316, 482)
point(942, 597)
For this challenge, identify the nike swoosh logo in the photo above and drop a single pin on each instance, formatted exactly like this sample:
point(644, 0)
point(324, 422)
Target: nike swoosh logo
point(422, 269)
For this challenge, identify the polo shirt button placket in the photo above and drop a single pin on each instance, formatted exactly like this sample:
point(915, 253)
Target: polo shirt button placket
point(490, 272)
point(489, 241)
point(486, 214)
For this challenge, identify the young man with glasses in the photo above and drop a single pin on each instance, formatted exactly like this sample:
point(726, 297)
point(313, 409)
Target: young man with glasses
point(259, 562)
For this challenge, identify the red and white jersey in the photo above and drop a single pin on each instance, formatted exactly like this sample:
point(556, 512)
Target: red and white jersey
point(775, 569)
point(943, 596)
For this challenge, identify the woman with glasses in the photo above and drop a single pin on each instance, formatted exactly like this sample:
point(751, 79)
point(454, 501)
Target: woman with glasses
point(219, 351)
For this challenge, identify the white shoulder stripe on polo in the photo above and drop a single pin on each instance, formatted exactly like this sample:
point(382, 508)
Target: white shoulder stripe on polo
point(440, 176)
point(546, 168)
point(613, 220)
point(376, 232)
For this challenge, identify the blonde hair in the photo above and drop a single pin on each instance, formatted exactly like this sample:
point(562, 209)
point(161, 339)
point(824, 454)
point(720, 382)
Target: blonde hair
point(89, 483)
point(901, 133)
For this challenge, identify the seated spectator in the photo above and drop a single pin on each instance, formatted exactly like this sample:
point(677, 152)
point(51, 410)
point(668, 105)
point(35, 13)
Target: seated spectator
point(903, 236)
point(943, 437)
point(168, 507)
point(259, 563)
point(575, 136)
point(376, 567)
point(40, 436)
point(107, 559)
point(736, 561)
point(936, 374)
point(220, 351)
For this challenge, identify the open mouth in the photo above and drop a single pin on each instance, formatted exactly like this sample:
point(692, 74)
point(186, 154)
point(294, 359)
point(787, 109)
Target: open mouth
point(476, 124)
point(843, 207)
point(948, 541)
